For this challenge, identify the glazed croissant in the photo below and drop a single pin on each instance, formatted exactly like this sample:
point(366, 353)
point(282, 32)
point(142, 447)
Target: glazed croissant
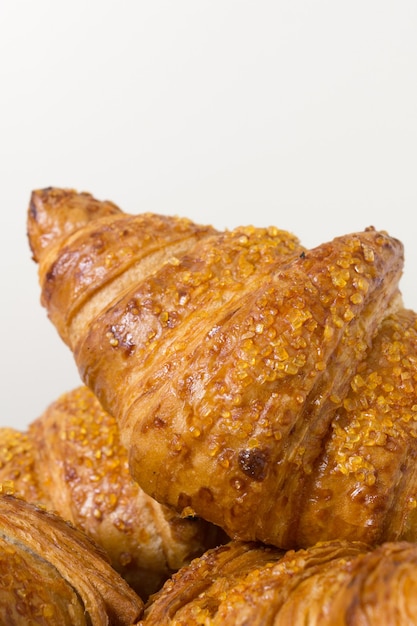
point(52, 574)
point(71, 461)
point(329, 584)
point(267, 388)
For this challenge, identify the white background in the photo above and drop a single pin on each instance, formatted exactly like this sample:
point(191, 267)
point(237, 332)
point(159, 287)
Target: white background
point(301, 114)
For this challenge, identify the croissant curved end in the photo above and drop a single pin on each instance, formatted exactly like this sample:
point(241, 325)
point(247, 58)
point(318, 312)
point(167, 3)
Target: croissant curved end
point(55, 213)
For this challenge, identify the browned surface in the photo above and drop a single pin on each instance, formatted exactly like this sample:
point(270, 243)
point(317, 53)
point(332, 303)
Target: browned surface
point(233, 366)
point(331, 584)
point(368, 466)
point(71, 461)
point(52, 574)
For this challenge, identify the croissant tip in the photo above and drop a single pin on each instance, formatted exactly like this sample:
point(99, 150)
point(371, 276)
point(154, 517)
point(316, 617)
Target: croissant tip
point(55, 212)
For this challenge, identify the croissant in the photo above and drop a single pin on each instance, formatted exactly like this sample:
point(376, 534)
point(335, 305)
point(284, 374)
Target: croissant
point(276, 384)
point(52, 574)
point(70, 460)
point(332, 583)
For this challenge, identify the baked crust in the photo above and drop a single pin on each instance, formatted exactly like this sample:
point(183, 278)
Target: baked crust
point(70, 460)
point(329, 584)
point(52, 574)
point(234, 364)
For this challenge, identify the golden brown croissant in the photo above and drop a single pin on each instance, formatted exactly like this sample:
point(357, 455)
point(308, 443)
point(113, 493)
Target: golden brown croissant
point(52, 574)
point(330, 584)
point(275, 383)
point(71, 461)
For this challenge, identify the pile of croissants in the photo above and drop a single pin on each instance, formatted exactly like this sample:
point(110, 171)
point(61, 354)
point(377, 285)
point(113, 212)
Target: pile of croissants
point(242, 447)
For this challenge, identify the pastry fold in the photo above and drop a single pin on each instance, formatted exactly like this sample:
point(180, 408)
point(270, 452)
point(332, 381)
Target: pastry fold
point(52, 574)
point(70, 460)
point(264, 387)
point(330, 584)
